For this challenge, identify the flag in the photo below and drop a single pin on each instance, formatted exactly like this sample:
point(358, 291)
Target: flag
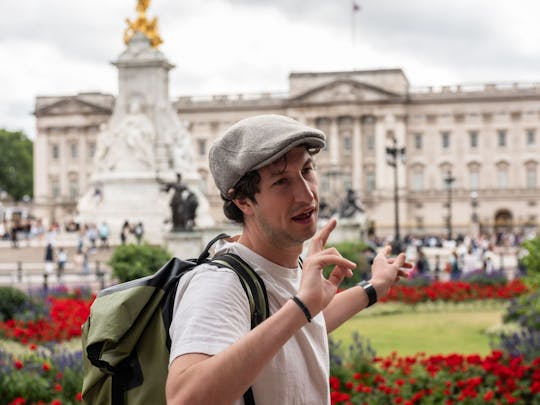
point(355, 6)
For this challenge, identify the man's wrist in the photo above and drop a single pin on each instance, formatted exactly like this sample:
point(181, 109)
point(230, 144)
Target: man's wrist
point(370, 291)
point(381, 288)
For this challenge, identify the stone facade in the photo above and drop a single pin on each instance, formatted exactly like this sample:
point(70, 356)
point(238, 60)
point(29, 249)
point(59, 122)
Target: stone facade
point(487, 137)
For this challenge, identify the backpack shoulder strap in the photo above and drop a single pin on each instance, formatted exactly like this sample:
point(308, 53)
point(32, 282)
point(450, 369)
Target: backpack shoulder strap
point(255, 290)
point(252, 284)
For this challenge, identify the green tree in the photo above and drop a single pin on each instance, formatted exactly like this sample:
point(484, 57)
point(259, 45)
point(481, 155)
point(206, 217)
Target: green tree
point(16, 157)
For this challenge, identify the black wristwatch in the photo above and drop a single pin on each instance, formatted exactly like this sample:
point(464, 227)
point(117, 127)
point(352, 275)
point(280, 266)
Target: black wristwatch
point(370, 291)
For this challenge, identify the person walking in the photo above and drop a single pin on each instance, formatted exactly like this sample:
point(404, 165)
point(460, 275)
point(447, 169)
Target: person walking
point(61, 262)
point(264, 169)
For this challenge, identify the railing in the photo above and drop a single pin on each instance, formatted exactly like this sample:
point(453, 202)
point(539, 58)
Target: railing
point(27, 274)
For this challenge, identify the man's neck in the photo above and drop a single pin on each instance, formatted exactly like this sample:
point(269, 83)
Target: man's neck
point(285, 256)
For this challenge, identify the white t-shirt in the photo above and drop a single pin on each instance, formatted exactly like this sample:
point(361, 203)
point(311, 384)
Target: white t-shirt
point(211, 312)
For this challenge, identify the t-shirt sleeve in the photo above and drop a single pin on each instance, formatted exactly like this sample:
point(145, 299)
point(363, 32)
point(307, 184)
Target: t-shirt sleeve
point(211, 312)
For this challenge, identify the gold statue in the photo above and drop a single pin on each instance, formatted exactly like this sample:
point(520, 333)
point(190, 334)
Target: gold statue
point(142, 24)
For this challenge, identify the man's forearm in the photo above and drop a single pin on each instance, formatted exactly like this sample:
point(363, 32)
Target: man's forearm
point(223, 378)
point(344, 306)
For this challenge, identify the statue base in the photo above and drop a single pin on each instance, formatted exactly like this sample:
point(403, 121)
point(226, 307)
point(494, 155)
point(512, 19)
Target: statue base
point(190, 244)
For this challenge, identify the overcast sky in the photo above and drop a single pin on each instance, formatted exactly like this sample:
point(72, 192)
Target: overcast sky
point(52, 47)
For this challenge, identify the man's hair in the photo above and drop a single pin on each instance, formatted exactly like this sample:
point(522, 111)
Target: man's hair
point(247, 187)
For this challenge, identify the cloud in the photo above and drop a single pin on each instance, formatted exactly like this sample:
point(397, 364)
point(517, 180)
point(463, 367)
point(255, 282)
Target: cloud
point(222, 46)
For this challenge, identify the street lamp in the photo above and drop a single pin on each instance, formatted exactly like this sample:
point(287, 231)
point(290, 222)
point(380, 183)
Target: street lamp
point(474, 215)
point(393, 153)
point(449, 180)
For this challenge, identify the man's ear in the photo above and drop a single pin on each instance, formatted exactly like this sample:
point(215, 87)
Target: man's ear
point(244, 205)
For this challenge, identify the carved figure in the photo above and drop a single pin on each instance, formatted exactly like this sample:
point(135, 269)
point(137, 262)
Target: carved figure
point(348, 206)
point(183, 204)
point(148, 27)
point(129, 146)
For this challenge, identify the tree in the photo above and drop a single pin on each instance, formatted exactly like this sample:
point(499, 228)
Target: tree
point(16, 159)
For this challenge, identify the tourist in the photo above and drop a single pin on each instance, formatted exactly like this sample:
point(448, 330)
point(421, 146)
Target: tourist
point(61, 262)
point(263, 166)
point(139, 232)
point(124, 232)
point(104, 234)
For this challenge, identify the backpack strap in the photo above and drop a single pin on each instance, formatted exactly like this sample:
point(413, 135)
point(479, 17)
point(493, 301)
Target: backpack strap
point(206, 252)
point(252, 284)
point(255, 290)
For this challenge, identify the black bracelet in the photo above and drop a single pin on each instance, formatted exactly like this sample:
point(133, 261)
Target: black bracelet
point(302, 307)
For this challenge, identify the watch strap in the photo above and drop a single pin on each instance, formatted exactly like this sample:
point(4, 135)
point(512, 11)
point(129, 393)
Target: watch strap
point(370, 292)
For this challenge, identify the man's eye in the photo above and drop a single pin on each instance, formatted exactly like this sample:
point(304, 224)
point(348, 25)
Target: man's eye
point(280, 182)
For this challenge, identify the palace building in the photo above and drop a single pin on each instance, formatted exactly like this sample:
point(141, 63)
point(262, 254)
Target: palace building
point(468, 153)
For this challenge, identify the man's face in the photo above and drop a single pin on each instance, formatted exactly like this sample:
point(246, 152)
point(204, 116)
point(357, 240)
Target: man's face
point(287, 203)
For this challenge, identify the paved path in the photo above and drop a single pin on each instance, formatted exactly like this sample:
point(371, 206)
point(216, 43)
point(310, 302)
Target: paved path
point(24, 267)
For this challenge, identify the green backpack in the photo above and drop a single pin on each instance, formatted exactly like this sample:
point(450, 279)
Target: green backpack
point(126, 339)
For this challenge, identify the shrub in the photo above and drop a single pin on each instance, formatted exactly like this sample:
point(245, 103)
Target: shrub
point(353, 251)
point(525, 310)
point(129, 262)
point(483, 278)
point(531, 261)
point(11, 299)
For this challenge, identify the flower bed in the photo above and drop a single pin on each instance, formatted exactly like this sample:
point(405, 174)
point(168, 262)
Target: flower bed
point(64, 320)
point(46, 375)
point(443, 379)
point(454, 291)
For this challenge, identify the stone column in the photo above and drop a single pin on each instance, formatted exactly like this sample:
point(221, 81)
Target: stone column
point(334, 142)
point(357, 155)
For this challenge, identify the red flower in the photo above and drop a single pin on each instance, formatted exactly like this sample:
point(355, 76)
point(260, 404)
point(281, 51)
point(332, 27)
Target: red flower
point(57, 387)
point(488, 395)
point(78, 396)
point(18, 364)
point(18, 401)
point(46, 366)
point(56, 402)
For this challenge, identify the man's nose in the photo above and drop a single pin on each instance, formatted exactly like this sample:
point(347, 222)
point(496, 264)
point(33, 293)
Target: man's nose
point(303, 191)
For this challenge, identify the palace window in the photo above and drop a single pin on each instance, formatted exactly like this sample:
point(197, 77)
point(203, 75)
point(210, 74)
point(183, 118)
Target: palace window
point(73, 150)
point(347, 144)
point(55, 188)
point(368, 131)
point(473, 137)
point(91, 150)
point(501, 137)
point(418, 181)
point(531, 137)
point(445, 139)
point(418, 141)
point(370, 181)
point(73, 188)
point(55, 151)
point(502, 176)
point(531, 176)
point(201, 147)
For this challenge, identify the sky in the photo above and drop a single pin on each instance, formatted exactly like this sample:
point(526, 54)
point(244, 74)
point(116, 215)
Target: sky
point(62, 47)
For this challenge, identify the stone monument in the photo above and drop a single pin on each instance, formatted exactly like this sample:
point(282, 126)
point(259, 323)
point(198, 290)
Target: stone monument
point(144, 145)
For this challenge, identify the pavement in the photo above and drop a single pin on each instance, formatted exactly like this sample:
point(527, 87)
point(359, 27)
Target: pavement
point(24, 267)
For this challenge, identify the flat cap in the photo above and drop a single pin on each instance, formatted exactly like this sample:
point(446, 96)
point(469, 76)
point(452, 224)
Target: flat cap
point(255, 142)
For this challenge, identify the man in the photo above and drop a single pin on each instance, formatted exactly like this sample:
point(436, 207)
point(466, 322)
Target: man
point(264, 169)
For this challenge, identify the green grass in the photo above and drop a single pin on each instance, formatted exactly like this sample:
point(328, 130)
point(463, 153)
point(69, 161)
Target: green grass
point(445, 330)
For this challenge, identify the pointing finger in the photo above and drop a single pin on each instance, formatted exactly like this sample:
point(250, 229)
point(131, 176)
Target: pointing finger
point(319, 241)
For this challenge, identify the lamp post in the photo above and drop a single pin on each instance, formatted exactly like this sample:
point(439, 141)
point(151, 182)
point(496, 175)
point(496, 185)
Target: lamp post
point(449, 180)
point(474, 215)
point(393, 153)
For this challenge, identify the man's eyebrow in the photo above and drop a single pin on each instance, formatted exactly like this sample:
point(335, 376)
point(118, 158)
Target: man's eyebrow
point(276, 171)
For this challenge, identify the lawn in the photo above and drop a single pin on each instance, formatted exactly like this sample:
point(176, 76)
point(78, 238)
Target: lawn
point(444, 330)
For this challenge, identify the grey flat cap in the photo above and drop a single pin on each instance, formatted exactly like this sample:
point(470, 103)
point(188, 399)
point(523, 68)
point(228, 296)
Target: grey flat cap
point(255, 142)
